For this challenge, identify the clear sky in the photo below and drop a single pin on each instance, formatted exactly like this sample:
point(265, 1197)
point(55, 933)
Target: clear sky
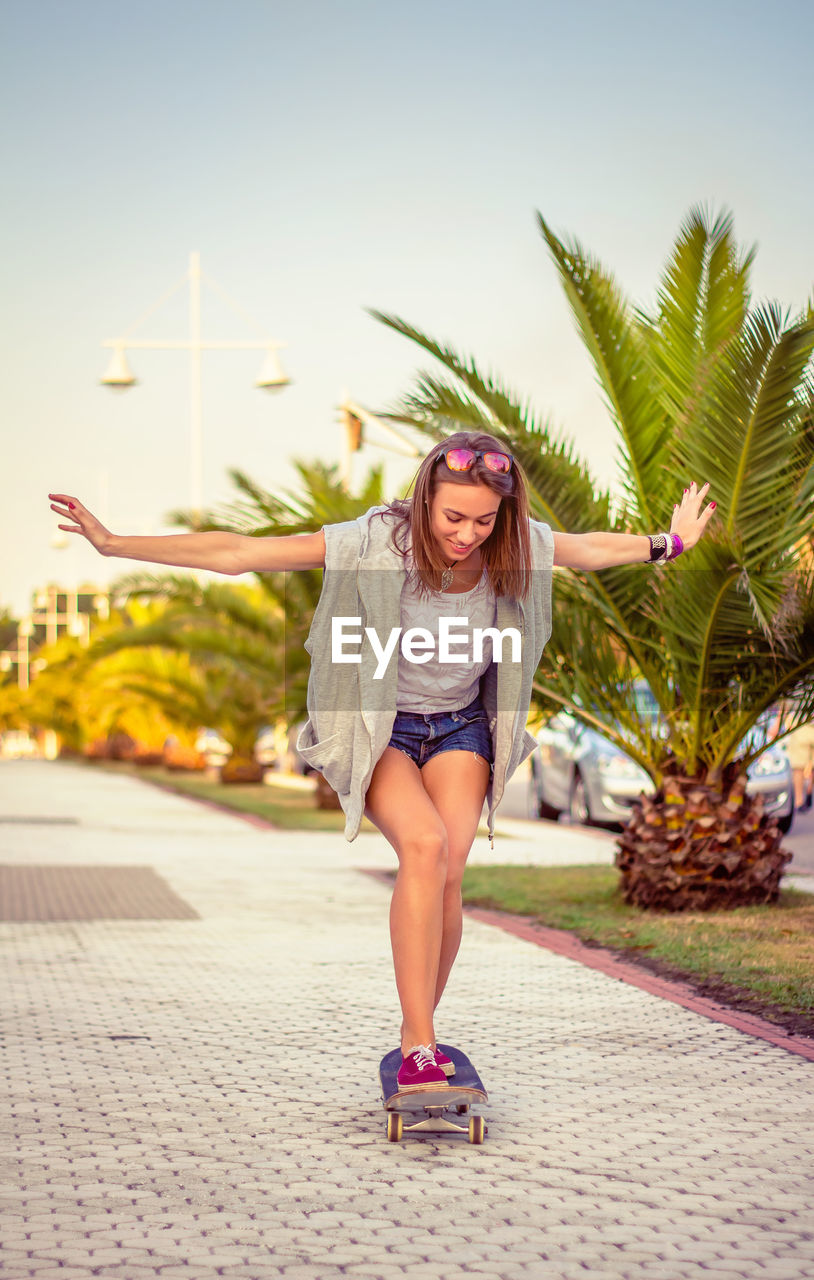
point(327, 157)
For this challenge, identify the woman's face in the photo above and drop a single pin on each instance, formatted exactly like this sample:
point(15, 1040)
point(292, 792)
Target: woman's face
point(461, 517)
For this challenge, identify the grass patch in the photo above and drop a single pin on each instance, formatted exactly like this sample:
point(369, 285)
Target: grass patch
point(765, 952)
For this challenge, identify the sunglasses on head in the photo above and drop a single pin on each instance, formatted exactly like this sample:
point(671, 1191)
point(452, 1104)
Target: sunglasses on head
point(464, 460)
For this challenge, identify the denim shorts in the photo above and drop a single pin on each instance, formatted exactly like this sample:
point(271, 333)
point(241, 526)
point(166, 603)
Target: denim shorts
point(423, 736)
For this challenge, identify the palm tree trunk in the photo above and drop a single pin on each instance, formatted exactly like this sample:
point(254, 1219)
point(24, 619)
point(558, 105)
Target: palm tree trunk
point(699, 846)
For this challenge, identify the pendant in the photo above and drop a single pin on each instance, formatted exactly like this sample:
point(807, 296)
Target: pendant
point(446, 579)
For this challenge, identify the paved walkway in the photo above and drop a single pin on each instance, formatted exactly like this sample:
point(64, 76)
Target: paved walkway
point(175, 1104)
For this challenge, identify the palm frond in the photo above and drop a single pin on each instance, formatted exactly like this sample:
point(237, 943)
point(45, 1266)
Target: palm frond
point(702, 304)
point(503, 410)
point(620, 357)
point(561, 490)
point(753, 440)
point(321, 500)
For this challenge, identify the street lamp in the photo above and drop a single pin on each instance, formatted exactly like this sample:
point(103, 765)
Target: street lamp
point(356, 421)
point(119, 377)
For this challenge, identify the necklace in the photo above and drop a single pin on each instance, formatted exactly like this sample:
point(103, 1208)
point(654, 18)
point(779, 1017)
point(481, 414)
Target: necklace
point(446, 578)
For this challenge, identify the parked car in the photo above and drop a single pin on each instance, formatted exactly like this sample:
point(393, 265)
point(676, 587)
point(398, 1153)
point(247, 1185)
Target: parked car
point(213, 747)
point(578, 771)
point(265, 747)
point(17, 744)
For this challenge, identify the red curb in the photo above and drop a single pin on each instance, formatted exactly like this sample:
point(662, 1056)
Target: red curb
point(565, 944)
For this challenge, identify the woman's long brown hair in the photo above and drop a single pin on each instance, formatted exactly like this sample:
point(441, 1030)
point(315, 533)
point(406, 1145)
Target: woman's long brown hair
point(506, 553)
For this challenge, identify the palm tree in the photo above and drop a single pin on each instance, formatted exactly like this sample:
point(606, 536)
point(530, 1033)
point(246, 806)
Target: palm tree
point(86, 700)
point(704, 386)
point(232, 641)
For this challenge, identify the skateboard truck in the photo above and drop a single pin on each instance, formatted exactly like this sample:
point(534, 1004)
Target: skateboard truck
point(463, 1091)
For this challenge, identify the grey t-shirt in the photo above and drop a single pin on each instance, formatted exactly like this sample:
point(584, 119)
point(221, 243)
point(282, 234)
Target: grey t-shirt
point(429, 685)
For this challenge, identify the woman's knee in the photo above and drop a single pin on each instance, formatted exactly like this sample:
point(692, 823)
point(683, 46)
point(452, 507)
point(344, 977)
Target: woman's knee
point(453, 882)
point(426, 851)
point(456, 866)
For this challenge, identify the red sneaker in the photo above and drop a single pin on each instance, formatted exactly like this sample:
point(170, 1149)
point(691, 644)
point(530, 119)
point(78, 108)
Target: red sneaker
point(446, 1064)
point(419, 1070)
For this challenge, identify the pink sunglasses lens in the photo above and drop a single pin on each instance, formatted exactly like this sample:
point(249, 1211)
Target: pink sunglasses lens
point(459, 459)
point(498, 462)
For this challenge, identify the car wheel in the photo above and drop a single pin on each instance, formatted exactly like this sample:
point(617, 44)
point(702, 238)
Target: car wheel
point(536, 807)
point(532, 799)
point(785, 823)
point(579, 809)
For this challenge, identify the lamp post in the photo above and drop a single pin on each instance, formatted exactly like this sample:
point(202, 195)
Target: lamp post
point(118, 376)
point(355, 419)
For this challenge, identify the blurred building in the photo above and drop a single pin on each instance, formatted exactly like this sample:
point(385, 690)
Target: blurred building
point(55, 612)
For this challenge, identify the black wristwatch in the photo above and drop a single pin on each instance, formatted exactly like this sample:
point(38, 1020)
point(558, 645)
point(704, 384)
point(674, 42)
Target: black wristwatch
point(658, 545)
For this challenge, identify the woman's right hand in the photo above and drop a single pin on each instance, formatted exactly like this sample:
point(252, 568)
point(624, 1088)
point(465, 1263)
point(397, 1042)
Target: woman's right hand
point(85, 523)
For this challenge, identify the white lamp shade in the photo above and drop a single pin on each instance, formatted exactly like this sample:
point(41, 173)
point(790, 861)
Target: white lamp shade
point(118, 376)
point(271, 376)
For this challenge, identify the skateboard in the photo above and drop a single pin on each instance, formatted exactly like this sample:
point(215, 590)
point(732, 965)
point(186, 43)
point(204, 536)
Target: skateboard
point(465, 1088)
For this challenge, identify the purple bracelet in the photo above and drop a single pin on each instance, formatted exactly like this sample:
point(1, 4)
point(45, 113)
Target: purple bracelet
point(676, 543)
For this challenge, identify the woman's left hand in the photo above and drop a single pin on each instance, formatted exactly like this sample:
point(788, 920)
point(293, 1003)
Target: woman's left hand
point(689, 521)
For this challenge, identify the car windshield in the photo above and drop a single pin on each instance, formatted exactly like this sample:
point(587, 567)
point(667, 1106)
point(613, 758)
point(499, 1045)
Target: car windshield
point(759, 735)
point(644, 702)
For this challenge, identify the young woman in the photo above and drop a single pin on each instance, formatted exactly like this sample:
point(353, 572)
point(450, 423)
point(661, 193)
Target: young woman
point(432, 619)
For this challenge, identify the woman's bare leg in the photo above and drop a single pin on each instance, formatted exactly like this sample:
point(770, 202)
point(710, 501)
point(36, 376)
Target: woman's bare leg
point(413, 809)
point(456, 783)
point(400, 807)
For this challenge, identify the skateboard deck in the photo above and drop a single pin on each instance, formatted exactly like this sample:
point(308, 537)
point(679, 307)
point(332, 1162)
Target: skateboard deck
point(464, 1090)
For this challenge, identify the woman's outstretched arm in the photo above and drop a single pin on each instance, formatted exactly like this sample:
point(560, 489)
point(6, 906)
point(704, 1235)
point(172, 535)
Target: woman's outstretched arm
point(605, 550)
point(219, 552)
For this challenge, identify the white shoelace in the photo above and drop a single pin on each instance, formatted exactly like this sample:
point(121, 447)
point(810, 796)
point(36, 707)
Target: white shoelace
point(424, 1056)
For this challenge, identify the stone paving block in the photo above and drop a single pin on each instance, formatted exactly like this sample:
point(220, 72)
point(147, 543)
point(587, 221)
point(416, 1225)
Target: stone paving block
point(299, 1271)
point(241, 1272)
point(12, 1260)
point(424, 1269)
point(509, 1269)
point(184, 1272)
point(376, 1270)
point(64, 1271)
point(780, 1268)
point(631, 1256)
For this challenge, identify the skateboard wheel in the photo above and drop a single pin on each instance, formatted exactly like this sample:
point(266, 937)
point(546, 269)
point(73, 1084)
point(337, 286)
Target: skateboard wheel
point(477, 1129)
point(395, 1126)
